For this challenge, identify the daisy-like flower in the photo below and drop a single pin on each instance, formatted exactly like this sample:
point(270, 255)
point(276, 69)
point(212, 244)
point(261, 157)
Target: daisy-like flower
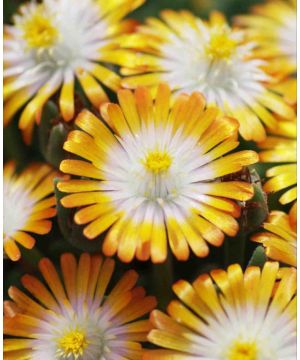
point(28, 203)
point(192, 55)
point(280, 147)
point(288, 89)
point(156, 175)
point(280, 238)
point(228, 315)
point(55, 42)
point(73, 317)
point(273, 26)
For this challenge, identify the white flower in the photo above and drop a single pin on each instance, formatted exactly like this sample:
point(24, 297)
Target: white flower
point(52, 43)
point(210, 57)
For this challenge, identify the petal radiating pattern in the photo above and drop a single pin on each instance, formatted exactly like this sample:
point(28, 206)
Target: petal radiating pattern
point(70, 314)
point(29, 203)
point(229, 315)
point(191, 54)
point(53, 43)
point(154, 177)
point(273, 26)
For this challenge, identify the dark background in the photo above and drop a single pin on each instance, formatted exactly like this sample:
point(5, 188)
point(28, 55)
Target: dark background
point(153, 7)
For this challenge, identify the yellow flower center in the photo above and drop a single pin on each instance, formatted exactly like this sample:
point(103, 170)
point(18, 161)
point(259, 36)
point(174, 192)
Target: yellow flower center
point(220, 46)
point(243, 351)
point(158, 161)
point(72, 343)
point(38, 31)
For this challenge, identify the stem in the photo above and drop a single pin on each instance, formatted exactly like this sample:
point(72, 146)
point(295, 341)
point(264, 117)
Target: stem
point(162, 280)
point(234, 249)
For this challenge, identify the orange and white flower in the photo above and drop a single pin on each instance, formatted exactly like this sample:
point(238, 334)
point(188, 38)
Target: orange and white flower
point(228, 315)
point(52, 43)
point(273, 26)
point(73, 317)
point(156, 176)
point(280, 238)
point(192, 55)
point(28, 203)
point(280, 147)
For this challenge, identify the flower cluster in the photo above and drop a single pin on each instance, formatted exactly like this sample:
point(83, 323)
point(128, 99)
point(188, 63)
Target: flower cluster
point(169, 144)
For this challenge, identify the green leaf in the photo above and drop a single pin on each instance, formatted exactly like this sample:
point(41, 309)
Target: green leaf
point(64, 215)
point(50, 112)
point(253, 214)
point(258, 257)
point(72, 232)
point(55, 152)
point(52, 135)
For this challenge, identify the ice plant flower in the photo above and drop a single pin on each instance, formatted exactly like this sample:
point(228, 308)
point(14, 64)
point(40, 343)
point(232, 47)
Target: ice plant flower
point(74, 317)
point(52, 43)
point(288, 89)
point(273, 26)
point(280, 238)
point(228, 315)
point(28, 203)
point(156, 175)
point(192, 55)
point(280, 147)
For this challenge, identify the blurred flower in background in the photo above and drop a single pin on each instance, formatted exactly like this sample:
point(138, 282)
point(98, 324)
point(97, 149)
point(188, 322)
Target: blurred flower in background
point(281, 147)
point(273, 27)
point(280, 238)
point(156, 176)
point(52, 43)
point(193, 55)
point(28, 204)
point(75, 318)
point(229, 315)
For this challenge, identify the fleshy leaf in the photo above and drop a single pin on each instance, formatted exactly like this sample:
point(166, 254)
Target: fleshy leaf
point(258, 257)
point(72, 232)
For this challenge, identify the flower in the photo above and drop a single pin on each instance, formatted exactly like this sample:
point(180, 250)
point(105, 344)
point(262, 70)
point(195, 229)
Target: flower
point(28, 204)
point(212, 58)
point(156, 175)
point(288, 89)
point(273, 26)
point(52, 43)
point(228, 315)
point(73, 318)
point(280, 147)
point(280, 238)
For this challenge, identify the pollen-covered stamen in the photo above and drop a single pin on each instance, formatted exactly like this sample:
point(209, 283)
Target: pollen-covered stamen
point(221, 45)
point(39, 31)
point(158, 161)
point(243, 351)
point(72, 343)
